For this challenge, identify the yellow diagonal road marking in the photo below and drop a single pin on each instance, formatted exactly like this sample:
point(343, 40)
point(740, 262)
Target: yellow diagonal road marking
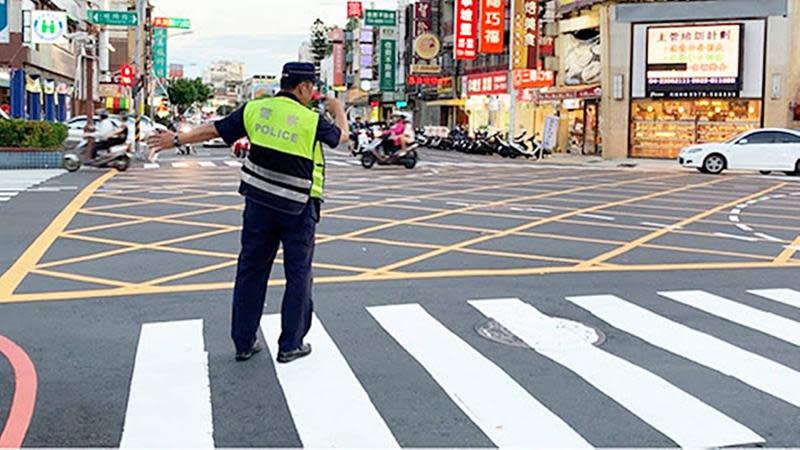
point(536, 223)
point(661, 232)
point(787, 254)
point(25, 263)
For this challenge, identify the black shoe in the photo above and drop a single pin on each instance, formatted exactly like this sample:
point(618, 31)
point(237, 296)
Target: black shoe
point(291, 355)
point(244, 356)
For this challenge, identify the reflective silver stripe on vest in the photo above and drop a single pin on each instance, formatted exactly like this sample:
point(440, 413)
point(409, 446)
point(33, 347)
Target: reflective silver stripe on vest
point(301, 183)
point(274, 190)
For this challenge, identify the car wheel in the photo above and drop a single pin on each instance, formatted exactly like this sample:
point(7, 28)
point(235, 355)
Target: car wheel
point(714, 164)
point(765, 172)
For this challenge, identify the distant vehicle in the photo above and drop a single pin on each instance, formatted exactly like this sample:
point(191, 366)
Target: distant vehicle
point(216, 142)
point(765, 150)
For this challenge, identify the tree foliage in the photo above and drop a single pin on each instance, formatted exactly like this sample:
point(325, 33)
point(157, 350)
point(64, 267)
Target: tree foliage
point(184, 93)
point(320, 46)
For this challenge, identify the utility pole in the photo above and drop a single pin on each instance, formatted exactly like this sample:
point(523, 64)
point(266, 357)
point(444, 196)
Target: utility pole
point(512, 93)
point(89, 59)
point(137, 90)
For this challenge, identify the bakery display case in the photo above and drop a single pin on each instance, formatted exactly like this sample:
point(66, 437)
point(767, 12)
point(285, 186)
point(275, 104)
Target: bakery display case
point(661, 128)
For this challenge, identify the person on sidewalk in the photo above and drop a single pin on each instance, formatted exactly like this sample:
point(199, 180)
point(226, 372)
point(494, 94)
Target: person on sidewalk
point(282, 181)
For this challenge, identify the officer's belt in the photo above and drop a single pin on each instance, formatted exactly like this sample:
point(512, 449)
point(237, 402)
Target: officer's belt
point(273, 189)
point(271, 175)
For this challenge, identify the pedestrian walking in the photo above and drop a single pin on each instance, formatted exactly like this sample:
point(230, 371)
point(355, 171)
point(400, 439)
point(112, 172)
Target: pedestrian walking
point(282, 182)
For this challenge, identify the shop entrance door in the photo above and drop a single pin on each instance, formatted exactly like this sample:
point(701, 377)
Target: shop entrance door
point(590, 139)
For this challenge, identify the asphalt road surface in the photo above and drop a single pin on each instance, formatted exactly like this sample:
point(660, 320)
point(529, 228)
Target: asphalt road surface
point(471, 301)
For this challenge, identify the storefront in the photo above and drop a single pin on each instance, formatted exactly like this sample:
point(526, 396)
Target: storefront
point(694, 83)
point(488, 102)
point(578, 111)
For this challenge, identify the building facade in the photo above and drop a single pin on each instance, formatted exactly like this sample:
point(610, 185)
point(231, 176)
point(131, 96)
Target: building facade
point(697, 71)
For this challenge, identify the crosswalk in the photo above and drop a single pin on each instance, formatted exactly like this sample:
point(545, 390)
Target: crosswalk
point(170, 401)
point(12, 182)
point(331, 162)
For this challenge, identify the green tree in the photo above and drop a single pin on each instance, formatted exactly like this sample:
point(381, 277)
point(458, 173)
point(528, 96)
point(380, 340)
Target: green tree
point(320, 46)
point(184, 93)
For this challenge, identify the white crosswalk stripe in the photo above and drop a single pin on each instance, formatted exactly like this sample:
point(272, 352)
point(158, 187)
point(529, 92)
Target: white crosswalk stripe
point(13, 182)
point(786, 296)
point(206, 164)
point(665, 407)
point(766, 322)
point(233, 164)
point(170, 399)
point(329, 406)
point(500, 407)
point(750, 368)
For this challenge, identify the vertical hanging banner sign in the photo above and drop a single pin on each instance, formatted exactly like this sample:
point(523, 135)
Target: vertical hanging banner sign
point(160, 52)
point(493, 19)
point(355, 9)
point(388, 65)
point(5, 36)
point(519, 52)
point(532, 33)
point(466, 27)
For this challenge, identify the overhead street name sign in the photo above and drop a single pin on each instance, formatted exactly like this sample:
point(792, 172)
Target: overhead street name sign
point(120, 18)
point(172, 22)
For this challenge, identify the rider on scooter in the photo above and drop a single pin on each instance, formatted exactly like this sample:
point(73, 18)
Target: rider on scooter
point(117, 136)
point(401, 133)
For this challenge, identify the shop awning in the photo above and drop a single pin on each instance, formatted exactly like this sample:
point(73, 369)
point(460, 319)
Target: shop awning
point(591, 91)
point(447, 102)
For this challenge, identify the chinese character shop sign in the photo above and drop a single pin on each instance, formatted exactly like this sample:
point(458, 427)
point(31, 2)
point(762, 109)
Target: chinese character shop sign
point(487, 83)
point(466, 27)
point(388, 65)
point(160, 52)
point(492, 23)
point(691, 61)
point(354, 9)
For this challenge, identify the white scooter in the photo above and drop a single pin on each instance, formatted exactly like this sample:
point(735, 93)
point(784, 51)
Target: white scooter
point(117, 157)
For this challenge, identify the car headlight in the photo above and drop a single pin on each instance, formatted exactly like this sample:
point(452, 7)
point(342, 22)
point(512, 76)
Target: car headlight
point(689, 151)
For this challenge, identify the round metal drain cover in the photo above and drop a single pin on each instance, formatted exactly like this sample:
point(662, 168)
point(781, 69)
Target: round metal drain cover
point(550, 334)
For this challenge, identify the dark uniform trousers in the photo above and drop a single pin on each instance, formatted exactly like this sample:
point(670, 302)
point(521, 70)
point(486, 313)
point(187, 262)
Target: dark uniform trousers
point(264, 229)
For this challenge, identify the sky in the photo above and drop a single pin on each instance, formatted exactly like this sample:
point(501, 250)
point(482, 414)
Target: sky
point(263, 34)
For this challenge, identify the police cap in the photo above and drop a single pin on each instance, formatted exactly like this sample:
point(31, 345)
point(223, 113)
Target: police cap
point(297, 72)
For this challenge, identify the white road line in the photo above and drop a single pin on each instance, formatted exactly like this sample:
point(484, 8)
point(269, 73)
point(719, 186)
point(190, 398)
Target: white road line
point(779, 196)
point(152, 165)
point(344, 197)
point(654, 224)
point(662, 405)
point(337, 163)
point(206, 164)
point(733, 236)
point(5, 199)
point(180, 165)
point(786, 296)
point(329, 406)
point(755, 370)
point(458, 204)
point(169, 404)
point(734, 219)
point(497, 404)
point(763, 321)
point(539, 210)
point(516, 209)
point(233, 163)
point(743, 227)
point(596, 216)
point(768, 237)
point(736, 211)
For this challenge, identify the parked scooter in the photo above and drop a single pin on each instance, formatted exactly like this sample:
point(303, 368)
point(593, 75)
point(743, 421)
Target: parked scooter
point(375, 153)
point(117, 157)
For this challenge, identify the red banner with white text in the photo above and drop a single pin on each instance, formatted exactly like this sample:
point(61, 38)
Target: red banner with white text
point(493, 20)
point(466, 28)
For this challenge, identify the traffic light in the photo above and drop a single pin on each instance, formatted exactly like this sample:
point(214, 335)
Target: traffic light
point(127, 76)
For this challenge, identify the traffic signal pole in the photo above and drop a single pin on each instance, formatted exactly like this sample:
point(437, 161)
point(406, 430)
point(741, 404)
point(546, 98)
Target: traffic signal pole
point(137, 90)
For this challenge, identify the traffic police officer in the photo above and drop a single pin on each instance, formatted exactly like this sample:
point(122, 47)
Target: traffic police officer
point(282, 181)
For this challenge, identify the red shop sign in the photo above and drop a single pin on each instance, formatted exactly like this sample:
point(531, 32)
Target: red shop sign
point(487, 83)
point(531, 78)
point(416, 80)
point(492, 23)
point(466, 27)
point(354, 9)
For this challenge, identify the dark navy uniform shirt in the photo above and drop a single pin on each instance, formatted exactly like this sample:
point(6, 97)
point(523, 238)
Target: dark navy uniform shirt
point(232, 128)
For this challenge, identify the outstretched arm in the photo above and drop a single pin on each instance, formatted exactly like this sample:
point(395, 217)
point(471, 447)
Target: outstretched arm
point(166, 139)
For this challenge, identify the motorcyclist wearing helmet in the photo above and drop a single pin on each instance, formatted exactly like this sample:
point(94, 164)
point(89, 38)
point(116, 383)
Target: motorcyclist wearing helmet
point(108, 134)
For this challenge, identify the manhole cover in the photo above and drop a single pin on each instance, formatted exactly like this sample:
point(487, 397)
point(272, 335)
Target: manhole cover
point(552, 334)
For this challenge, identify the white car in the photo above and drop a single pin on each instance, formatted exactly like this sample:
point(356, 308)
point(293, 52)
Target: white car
point(765, 150)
